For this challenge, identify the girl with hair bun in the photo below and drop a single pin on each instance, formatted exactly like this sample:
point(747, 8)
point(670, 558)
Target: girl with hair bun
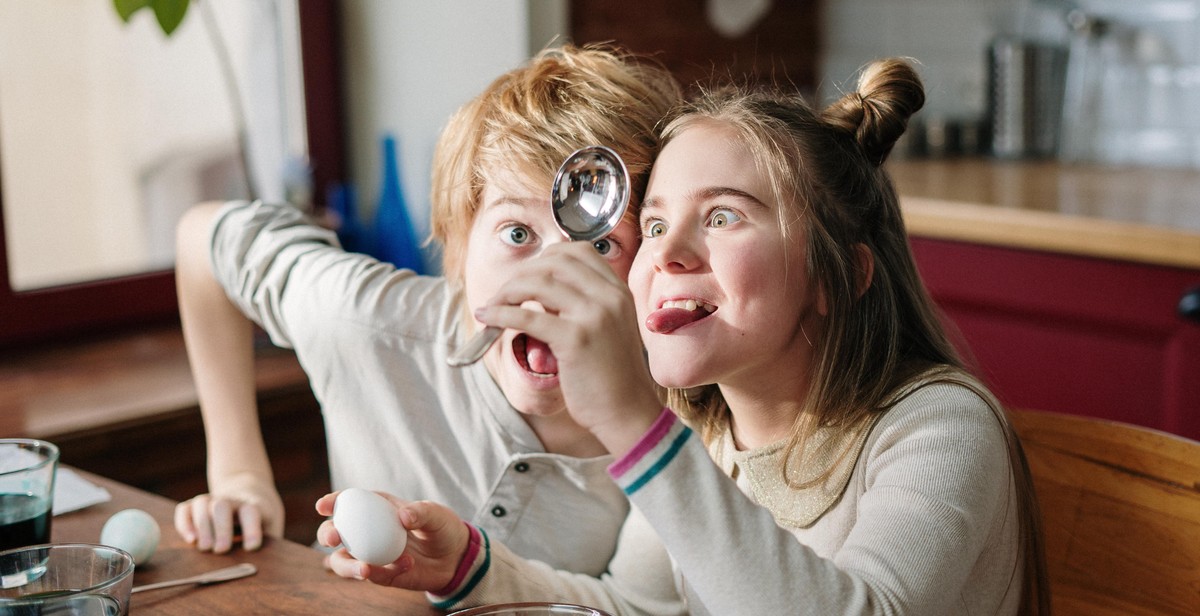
point(823, 449)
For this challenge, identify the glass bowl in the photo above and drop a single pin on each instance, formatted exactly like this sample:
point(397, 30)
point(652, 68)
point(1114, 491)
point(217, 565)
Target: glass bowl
point(66, 579)
point(531, 609)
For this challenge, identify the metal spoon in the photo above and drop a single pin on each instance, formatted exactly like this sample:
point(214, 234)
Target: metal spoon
point(589, 196)
point(212, 577)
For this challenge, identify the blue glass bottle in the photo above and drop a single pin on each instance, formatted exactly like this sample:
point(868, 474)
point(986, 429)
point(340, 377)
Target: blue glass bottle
point(395, 240)
point(343, 202)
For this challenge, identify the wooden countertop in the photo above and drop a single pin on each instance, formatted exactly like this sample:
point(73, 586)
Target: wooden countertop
point(109, 381)
point(1144, 215)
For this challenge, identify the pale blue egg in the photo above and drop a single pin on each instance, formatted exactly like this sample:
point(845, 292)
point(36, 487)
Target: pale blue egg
point(134, 531)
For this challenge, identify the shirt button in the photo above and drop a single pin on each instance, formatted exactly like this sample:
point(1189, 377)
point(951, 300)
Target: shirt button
point(499, 511)
point(521, 467)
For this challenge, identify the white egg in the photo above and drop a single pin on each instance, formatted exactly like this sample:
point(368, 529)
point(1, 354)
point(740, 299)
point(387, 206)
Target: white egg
point(134, 531)
point(369, 526)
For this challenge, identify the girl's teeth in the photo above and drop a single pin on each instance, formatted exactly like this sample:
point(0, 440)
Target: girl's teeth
point(688, 304)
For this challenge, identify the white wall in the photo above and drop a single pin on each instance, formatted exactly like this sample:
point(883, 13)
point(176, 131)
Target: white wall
point(1149, 82)
point(947, 37)
point(409, 65)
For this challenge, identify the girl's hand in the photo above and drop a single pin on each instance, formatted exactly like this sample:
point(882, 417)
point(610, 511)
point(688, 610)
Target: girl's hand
point(211, 521)
point(437, 542)
point(590, 324)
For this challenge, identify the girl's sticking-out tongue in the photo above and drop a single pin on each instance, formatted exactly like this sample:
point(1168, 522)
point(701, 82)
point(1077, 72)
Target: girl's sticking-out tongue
point(670, 318)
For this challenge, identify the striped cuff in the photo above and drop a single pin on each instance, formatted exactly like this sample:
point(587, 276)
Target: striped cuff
point(651, 454)
point(471, 569)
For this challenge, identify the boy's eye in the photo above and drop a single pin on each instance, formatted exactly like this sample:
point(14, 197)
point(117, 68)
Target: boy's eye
point(655, 228)
point(516, 235)
point(723, 218)
point(607, 247)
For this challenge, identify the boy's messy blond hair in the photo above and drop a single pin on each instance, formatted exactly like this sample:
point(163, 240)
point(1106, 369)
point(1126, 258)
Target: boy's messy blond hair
point(531, 118)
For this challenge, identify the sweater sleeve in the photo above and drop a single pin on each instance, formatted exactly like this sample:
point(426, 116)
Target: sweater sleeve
point(934, 478)
point(291, 276)
point(639, 580)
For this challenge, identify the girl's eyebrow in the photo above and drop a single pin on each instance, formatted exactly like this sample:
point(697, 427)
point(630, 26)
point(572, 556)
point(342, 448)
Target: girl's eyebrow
point(650, 204)
point(708, 193)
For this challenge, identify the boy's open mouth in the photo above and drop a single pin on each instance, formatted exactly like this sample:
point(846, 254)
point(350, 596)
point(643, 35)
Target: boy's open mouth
point(676, 313)
point(534, 356)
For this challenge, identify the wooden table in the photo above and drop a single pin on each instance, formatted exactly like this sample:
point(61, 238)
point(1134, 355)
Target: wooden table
point(290, 580)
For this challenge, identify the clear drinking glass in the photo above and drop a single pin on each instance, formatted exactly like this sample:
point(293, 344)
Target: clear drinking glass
point(27, 469)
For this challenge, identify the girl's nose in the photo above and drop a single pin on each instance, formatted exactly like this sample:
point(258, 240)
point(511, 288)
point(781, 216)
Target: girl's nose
point(675, 251)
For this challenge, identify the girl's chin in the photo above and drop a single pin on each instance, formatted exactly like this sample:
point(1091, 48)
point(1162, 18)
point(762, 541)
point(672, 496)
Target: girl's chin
point(672, 377)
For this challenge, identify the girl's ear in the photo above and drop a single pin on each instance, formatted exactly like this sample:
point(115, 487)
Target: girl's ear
point(866, 267)
point(865, 270)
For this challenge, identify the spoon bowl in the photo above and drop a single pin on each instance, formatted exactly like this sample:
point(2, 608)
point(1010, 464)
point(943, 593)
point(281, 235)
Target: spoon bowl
point(591, 193)
point(589, 196)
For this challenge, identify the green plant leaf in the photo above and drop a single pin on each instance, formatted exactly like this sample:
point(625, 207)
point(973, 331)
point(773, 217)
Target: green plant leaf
point(169, 13)
point(126, 8)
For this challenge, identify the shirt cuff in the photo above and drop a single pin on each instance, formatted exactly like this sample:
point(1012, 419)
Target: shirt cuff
point(471, 569)
point(652, 452)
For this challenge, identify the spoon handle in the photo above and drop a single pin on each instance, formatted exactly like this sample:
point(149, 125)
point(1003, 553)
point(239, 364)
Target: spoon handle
point(474, 349)
point(212, 577)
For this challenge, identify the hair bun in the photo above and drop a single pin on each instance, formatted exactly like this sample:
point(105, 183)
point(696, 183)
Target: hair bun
point(889, 92)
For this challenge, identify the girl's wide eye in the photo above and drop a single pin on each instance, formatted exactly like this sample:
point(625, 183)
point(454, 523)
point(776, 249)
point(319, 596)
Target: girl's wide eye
point(654, 228)
point(516, 235)
point(723, 218)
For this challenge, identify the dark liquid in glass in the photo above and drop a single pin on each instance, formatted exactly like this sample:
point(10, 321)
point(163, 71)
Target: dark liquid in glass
point(24, 520)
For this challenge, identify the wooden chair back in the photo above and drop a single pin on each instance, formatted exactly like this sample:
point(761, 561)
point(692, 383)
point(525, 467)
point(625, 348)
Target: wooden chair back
point(1120, 514)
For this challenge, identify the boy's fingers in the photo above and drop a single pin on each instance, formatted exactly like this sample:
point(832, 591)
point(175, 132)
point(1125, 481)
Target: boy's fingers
point(222, 523)
point(250, 519)
point(183, 522)
point(202, 521)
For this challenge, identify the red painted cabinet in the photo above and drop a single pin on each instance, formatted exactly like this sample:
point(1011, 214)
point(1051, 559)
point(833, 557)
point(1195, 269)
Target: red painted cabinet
point(1073, 334)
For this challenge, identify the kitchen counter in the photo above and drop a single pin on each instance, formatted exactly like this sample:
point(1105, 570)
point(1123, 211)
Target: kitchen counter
point(1142, 215)
point(1064, 284)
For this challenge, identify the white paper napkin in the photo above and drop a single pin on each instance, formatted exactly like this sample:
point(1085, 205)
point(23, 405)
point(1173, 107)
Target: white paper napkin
point(73, 492)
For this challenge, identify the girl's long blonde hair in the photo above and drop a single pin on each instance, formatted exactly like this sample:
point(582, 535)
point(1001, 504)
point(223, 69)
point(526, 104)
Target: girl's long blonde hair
point(876, 343)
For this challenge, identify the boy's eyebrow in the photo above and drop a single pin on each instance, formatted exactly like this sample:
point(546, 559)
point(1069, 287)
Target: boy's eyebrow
point(705, 194)
point(524, 202)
